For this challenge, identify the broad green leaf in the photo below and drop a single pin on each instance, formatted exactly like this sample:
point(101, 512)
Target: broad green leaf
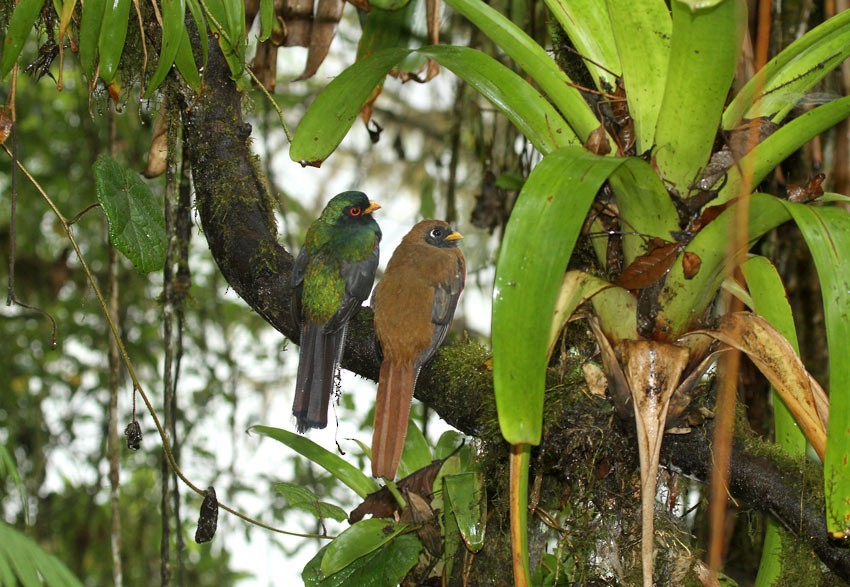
point(113, 35)
point(416, 453)
point(770, 301)
point(136, 221)
point(26, 560)
point(90, 23)
point(704, 53)
point(173, 30)
point(766, 156)
point(539, 239)
point(20, 26)
point(535, 61)
point(359, 540)
point(785, 79)
point(386, 566)
point(827, 234)
point(468, 498)
point(588, 25)
point(682, 301)
point(642, 33)
point(301, 498)
point(337, 106)
point(332, 463)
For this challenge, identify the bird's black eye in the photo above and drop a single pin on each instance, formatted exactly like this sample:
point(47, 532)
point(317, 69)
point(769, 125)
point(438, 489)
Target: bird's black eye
point(354, 211)
point(436, 233)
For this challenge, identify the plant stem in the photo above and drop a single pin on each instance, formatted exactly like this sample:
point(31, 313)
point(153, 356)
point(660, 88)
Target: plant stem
point(519, 459)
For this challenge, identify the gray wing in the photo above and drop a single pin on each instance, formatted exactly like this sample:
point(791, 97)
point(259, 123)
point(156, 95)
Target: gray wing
point(443, 310)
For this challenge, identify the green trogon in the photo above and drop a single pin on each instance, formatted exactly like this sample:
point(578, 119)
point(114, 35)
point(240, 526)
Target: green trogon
point(414, 304)
point(332, 276)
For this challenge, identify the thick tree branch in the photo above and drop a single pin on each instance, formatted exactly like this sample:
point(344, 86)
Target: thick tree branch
point(236, 214)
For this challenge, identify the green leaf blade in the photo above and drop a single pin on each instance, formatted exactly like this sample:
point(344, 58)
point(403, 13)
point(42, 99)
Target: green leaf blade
point(113, 35)
point(539, 239)
point(173, 30)
point(642, 33)
point(535, 61)
point(386, 566)
point(588, 25)
point(357, 541)
point(826, 231)
point(704, 52)
point(416, 453)
point(332, 463)
point(468, 499)
point(136, 221)
point(20, 26)
point(301, 498)
point(804, 61)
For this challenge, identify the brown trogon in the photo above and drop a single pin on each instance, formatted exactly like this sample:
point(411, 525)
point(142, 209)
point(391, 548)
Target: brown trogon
point(414, 304)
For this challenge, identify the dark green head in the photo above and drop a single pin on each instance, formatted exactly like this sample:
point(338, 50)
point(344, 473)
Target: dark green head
point(346, 225)
point(349, 209)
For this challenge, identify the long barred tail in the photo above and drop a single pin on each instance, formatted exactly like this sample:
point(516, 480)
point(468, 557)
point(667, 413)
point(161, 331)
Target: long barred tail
point(392, 408)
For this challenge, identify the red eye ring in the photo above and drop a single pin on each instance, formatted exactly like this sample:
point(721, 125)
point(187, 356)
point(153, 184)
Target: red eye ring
point(354, 211)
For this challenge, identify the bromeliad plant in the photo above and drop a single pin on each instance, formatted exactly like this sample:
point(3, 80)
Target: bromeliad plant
point(685, 218)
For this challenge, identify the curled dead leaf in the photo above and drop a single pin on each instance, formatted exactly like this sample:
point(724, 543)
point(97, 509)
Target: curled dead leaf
point(774, 356)
point(690, 264)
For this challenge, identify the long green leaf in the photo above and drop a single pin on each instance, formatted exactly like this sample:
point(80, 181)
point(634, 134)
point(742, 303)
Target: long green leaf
point(20, 26)
point(113, 35)
point(90, 23)
point(768, 294)
point(827, 234)
point(336, 107)
point(173, 29)
point(538, 242)
point(783, 81)
point(534, 60)
point(766, 156)
point(642, 31)
point(704, 54)
point(332, 463)
point(588, 25)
